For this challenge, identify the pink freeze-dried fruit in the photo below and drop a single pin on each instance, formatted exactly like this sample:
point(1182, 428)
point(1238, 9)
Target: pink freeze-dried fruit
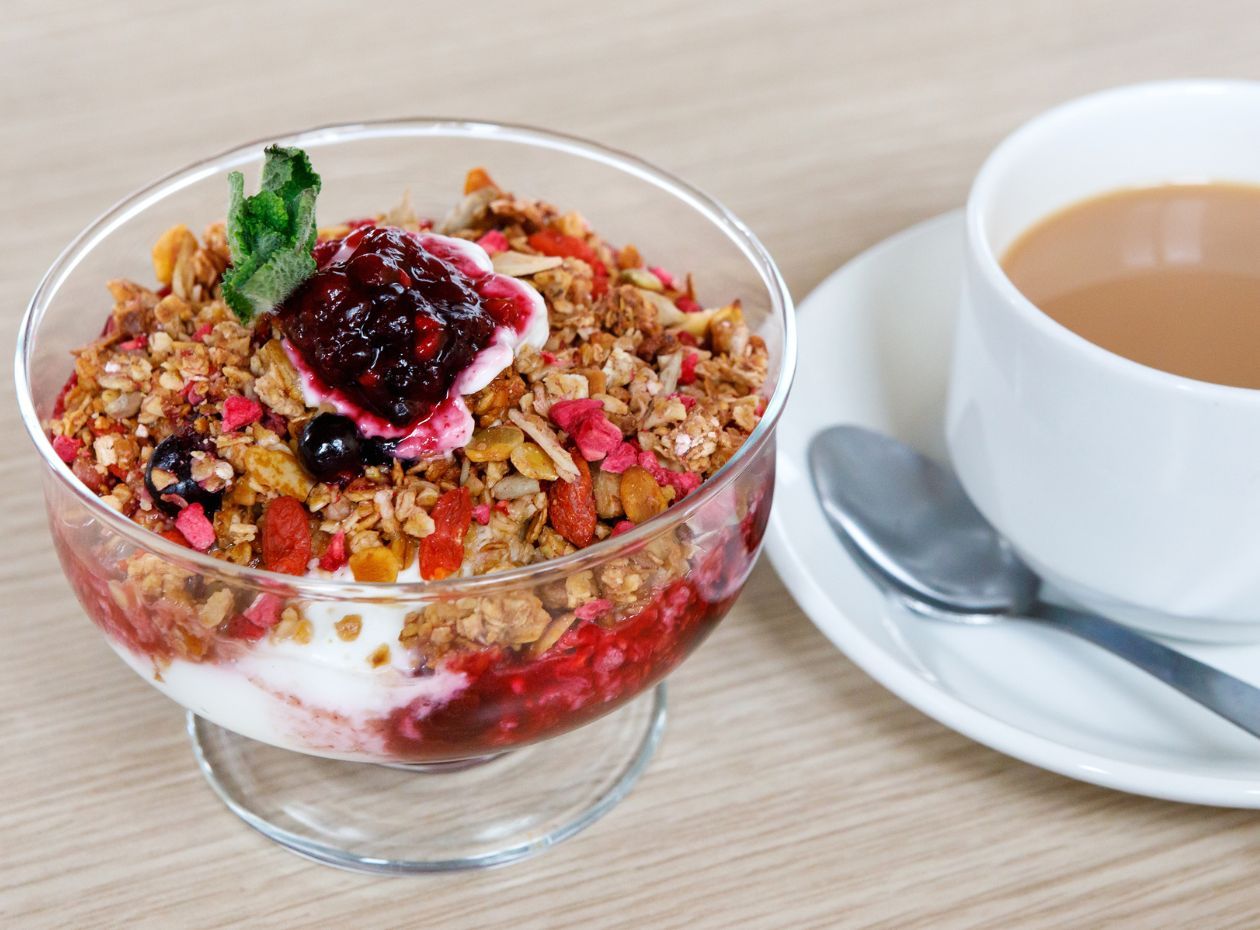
point(593, 609)
point(685, 399)
point(687, 305)
point(240, 411)
point(258, 618)
point(688, 373)
point(195, 526)
point(481, 513)
point(584, 420)
point(202, 332)
point(684, 482)
point(623, 526)
point(335, 555)
point(264, 611)
point(666, 279)
point(596, 436)
point(567, 413)
point(66, 447)
point(139, 342)
point(619, 458)
point(493, 242)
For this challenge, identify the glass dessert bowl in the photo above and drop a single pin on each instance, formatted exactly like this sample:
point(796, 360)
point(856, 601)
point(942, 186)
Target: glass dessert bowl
point(464, 688)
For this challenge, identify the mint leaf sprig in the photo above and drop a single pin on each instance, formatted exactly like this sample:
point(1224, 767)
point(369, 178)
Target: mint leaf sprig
point(270, 234)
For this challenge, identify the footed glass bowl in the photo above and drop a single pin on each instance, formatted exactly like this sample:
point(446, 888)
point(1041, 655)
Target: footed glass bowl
point(463, 776)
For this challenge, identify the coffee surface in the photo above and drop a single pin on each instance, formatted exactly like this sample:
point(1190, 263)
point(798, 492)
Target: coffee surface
point(1167, 276)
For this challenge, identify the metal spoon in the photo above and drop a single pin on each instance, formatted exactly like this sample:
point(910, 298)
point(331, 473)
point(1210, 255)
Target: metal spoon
point(909, 524)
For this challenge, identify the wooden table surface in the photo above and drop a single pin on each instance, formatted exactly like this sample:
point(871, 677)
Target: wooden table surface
point(791, 790)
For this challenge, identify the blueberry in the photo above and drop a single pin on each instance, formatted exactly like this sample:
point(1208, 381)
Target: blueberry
point(330, 448)
point(173, 455)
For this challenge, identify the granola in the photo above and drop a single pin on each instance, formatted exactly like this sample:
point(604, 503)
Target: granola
point(204, 429)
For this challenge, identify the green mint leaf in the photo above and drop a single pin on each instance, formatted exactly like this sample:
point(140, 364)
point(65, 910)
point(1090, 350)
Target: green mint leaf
point(270, 234)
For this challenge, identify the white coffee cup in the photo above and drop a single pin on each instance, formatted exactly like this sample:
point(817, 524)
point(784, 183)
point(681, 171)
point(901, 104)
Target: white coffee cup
point(1132, 491)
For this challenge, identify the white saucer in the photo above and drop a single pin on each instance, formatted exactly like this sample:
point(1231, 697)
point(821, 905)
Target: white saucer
point(875, 341)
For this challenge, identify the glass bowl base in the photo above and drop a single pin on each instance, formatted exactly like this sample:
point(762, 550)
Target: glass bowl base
point(404, 819)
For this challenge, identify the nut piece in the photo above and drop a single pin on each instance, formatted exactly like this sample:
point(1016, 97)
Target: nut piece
point(495, 444)
point(641, 497)
point(276, 470)
point(521, 265)
point(175, 242)
point(608, 495)
point(375, 564)
point(532, 462)
point(513, 487)
point(348, 627)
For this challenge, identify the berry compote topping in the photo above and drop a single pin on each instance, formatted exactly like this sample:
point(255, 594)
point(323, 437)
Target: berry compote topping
point(392, 323)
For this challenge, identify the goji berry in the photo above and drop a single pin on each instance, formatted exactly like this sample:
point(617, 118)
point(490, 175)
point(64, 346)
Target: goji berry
point(286, 537)
point(550, 242)
point(571, 506)
point(442, 551)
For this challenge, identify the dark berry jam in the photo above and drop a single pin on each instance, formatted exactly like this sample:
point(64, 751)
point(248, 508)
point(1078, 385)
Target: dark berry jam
point(392, 324)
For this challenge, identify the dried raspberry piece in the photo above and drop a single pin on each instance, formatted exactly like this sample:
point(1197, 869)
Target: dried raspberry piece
point(584, 420)
point(197, 529)
point(240, 411)
point(202, 332)
point(194, 392)
point(685, 399)
point(239, 627)
point(59, 404)
point(687, 339)
point(687, 305)
point(593, 609)
point(134, 344)
point(684, 482)
point(567, 413)
point(666, 279)
point(620, 458)
point(257, 619)
point(335, 555)
point(571, 506)
point(264, 611)
point(493, 242)
point(688, 373)
point(442, 551)
point(623, 526)
point(66, 447)
point(286, 537)
point(481, 513)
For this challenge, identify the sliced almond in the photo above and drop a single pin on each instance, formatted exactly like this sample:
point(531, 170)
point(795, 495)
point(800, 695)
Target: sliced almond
point(513, 487)
point(546, 438)
point(522, 265)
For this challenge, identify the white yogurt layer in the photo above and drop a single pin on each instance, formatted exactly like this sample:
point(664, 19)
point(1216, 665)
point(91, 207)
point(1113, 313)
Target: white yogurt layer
point(322, 697)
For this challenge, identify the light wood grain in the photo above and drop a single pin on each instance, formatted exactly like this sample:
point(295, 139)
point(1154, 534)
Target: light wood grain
point(791, 790)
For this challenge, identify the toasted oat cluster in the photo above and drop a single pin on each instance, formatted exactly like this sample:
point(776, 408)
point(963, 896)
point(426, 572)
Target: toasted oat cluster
point(193, 424)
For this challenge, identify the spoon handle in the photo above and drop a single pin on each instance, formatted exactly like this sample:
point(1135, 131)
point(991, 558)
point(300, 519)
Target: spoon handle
point(1220, 692)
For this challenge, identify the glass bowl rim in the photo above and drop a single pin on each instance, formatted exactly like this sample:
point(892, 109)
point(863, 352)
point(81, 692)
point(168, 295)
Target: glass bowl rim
point(138, 201)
